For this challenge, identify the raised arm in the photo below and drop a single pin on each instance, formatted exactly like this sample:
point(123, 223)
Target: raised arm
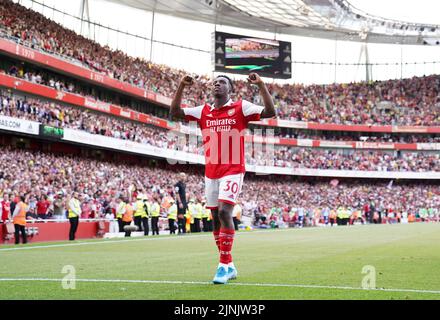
point(269, 108)
point(176, 112)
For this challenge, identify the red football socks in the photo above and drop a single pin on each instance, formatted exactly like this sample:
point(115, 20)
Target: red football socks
point(217, 239)
point(226, 241)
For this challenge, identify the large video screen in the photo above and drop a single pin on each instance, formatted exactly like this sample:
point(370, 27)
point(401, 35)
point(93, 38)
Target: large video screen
point(242, 55)
point(252, 48)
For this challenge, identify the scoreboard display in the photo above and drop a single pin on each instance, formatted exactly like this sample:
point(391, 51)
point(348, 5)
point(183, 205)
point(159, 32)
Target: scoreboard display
point(51, 132)
point(239, 54)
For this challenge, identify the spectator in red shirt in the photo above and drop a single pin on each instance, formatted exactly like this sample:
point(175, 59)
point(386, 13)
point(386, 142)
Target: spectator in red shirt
point(43, 207)
point(86, 210)
point(5, 207)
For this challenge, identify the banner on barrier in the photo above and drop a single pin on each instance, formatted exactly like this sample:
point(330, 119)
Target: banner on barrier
point(19, 125)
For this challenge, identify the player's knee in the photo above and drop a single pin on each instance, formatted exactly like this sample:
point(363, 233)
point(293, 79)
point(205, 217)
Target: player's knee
point(224, 213)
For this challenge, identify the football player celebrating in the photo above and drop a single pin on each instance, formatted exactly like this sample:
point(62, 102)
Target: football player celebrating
point(221, 122)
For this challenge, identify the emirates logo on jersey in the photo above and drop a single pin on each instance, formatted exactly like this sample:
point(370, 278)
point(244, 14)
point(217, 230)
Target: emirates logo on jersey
point(231, 112)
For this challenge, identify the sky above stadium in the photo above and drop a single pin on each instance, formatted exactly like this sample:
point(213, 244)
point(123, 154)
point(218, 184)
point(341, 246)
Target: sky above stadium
point(324, 53)
point(418, 11)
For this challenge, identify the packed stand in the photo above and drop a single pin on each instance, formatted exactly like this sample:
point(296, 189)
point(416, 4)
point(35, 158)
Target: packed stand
point(363, 137)
point(292, 203)
point(67, 86)
point(52, 114)
point(339, 159)
point(312, 158)
point(49, 180)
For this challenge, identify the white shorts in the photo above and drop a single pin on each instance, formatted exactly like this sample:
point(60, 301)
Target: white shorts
point(225, 189)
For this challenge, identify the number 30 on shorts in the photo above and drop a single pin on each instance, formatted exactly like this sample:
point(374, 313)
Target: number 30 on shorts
point(233, 187)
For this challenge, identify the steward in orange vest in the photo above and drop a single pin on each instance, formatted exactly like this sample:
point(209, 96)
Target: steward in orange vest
point(19, 219)
point(127, 218)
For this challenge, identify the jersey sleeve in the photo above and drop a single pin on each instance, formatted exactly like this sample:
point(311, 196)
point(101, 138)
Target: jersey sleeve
point(193, 114)
point(251, 111)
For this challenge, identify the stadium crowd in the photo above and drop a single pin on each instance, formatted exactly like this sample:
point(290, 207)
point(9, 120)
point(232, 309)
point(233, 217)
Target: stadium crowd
point(337, 159)
point(60, 84)
point(412, 101)
point(283, 156)
point(49, 180)
point(52, 114)
point(364, 137)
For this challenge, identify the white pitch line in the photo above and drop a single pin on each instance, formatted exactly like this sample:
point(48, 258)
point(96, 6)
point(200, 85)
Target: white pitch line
point(97, 242)
point(163, 237)
point(305, 286)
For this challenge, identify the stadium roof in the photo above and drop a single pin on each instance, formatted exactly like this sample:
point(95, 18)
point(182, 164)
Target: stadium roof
point(328, 19)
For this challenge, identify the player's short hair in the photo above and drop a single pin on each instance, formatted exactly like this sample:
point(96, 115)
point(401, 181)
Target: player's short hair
point(231, 83)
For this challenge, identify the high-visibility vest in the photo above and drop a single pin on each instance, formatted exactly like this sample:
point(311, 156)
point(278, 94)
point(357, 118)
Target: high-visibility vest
point(121, 210)
point(147, 210)
point(77, 207)
point(190, 211)
point(128, 216)
point(166, 203)
point(155, 210)
point(205, 212)
point(140, 210)
point(172, 212)
point(198, 211)
point(187, 217)
point(20, 218)
point(341, 213)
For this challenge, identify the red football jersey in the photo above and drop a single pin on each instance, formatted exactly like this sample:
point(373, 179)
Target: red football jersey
point(6, 209)
point(223, 132)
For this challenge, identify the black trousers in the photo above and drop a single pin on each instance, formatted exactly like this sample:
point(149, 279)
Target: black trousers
point(205, 225)
point(181, 223)
point(120, 225)
point(155, 225)
point(145, 226)
point(138, 222)
point(18, 229)
point(171, 225)
point(371, 216)
point(73, 227)
point(127, 233)
point(197, 225)
point(236, 223)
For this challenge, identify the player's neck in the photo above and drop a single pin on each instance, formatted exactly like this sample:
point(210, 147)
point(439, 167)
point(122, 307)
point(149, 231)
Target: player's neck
point(221, 101)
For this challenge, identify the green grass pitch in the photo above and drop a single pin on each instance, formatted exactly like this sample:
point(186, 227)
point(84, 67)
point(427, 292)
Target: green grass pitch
point(313, 263)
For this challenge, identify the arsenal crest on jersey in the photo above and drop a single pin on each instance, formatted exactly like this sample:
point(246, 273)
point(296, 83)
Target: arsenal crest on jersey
point(231, 112)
